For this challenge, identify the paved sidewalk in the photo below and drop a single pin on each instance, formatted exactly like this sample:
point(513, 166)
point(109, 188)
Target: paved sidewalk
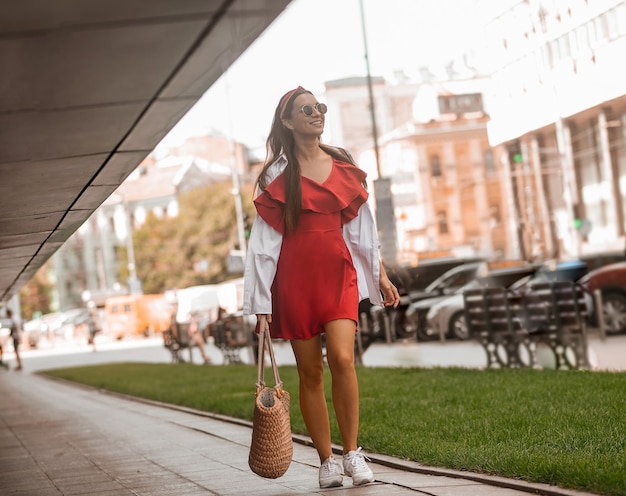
point(62, 439)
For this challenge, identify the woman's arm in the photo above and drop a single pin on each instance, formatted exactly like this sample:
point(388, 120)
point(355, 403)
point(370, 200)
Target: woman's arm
point(391, 296)
point(362, 240)
point(261, 261)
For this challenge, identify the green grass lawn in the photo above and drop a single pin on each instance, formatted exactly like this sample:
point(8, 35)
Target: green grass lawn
point(566, 428)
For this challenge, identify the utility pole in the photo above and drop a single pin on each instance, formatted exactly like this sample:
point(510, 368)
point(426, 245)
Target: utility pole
point(385, 215)
point(370, 92)
point(134, 285)
point(235, 258)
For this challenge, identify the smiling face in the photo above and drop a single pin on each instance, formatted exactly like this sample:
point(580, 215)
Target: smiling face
point(302, 124)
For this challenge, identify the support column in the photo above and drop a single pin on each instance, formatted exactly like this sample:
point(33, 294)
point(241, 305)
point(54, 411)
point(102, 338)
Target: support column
point(569, 234)
point(514, 249)
point(545, 219)
point(608, 181)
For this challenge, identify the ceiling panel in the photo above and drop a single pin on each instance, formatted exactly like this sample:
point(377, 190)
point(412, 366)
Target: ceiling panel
point(77, 65)
point(87, 89)
point(36, 15)
point(156, 123)
point(68, 132)
point(51, 181)
point(118, 167)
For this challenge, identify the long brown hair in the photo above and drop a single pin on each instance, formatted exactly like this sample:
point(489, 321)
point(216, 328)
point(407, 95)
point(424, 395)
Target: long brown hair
point(279, 141)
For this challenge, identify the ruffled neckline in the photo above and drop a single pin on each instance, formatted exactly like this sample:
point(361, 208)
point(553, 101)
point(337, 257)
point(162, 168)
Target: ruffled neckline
point(341, 192)
point(338, 190)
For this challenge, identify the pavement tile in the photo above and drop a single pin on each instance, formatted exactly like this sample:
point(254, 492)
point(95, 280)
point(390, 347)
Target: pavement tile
point(32, 491)
point(91, 487)
point(471, 490)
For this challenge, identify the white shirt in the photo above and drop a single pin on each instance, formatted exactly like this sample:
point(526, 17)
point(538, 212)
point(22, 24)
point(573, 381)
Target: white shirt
point(265, 243)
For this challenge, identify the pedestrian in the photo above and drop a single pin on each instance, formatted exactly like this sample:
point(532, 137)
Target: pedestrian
point(16, 329)
point(312, 256)
point(196, 338)
point(92, 326)
point(2, 364)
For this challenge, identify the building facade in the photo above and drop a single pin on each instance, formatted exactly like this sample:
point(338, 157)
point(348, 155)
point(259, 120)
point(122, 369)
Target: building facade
point(558, 96)
point(447, 188)
point(87, 266)
point(552, 134)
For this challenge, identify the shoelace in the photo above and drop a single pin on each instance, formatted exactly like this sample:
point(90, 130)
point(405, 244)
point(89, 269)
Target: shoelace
point(357, 460)
point(326, 467)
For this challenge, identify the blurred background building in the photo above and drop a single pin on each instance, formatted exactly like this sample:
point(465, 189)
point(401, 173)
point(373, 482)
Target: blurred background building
point(517, 150)
point(87, 266)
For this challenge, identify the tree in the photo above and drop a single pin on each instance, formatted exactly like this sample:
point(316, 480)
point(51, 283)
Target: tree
point(192, 248)
point(35, 296)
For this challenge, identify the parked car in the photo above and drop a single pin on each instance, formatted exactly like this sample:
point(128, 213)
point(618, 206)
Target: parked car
point(412, 282)
point(412, 279)
point(54, 325)
point(596, 260)
point(611, 281)
point(448, 316)
point(443, 286)
point(49, 326)
point(73, 320)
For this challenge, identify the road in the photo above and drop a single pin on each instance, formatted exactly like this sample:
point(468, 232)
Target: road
point(609, 354)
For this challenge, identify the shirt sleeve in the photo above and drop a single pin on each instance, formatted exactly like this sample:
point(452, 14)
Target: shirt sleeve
point(261, 262)
point(361, 239)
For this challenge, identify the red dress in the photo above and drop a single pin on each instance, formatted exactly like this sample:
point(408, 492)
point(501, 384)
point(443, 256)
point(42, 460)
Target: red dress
point(315, 278)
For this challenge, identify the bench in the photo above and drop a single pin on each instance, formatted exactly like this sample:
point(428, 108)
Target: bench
point(230, 335)
point(492, 316)
point(555, 313)
point(176, 342)
point(509, 325)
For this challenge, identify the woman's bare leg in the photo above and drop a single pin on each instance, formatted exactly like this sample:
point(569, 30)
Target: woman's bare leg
point(340, 356)
point(310, 364)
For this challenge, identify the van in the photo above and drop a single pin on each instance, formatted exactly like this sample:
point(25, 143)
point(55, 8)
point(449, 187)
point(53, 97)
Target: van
point(136, 315)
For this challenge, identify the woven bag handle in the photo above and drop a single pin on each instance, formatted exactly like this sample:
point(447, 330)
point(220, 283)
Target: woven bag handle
point(265, 341)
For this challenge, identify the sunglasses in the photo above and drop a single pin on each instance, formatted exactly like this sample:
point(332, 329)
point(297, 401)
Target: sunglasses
point(308, 109)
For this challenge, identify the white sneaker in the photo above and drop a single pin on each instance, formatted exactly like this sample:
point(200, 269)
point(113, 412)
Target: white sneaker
point(354, 466)
point(330, 473)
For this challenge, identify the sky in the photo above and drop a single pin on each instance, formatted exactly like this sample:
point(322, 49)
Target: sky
point(314, 41)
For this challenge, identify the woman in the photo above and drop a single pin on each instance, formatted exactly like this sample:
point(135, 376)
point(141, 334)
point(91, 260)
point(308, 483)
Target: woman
point(312, 256)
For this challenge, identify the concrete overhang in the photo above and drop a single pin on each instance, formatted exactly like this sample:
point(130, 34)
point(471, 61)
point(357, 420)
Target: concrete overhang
point(87, 89)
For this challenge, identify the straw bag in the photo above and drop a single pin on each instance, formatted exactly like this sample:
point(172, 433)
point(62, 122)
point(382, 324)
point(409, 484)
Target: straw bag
point(272, 446)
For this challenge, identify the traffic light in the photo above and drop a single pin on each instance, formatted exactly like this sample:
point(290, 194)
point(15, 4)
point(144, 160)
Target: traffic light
point(515, 152)
point(247, 225)
point(578, 221)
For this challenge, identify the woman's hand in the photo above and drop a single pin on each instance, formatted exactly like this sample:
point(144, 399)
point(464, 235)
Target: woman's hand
point(264, 320)
point(391, 296)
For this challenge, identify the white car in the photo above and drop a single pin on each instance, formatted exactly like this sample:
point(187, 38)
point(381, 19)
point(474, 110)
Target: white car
point(446, 317)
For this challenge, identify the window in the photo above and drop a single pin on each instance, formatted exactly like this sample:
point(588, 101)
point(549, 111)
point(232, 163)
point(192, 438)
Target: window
point(442, 222)
point(490, 168)
point(435, 166)
point(460, 104)
point(616, 21)
point(495, 215)
point(600, 24)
